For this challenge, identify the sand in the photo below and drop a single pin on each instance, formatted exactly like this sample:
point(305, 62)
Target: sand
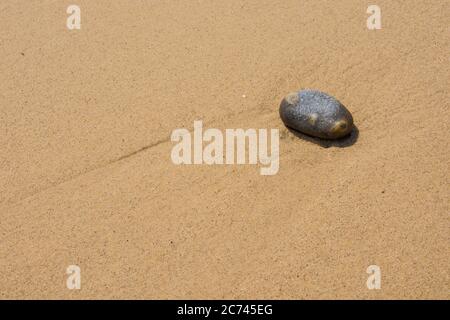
point(86, 176)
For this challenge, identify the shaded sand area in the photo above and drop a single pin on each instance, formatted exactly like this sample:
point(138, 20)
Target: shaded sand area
point(86, 176)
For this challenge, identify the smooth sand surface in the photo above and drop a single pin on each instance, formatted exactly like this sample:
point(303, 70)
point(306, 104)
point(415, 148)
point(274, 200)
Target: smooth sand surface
point(86, 176)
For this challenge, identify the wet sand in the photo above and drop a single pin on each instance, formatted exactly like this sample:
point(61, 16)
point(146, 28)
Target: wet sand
point(86, 176)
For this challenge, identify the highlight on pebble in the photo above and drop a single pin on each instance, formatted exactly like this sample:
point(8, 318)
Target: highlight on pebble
point(224, 158)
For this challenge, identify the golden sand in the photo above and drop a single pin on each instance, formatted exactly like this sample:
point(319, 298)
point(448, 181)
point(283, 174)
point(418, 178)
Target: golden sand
point(85, 171)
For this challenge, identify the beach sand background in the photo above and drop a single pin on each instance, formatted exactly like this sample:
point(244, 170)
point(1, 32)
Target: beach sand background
point(86, 176)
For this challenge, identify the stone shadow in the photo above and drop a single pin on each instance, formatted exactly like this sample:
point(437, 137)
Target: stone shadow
point(343, 142)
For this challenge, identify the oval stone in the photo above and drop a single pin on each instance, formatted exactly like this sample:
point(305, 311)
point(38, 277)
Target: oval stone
point(317, 114)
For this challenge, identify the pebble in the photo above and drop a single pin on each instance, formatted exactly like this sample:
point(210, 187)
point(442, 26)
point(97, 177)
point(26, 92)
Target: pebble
point(317, 114)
